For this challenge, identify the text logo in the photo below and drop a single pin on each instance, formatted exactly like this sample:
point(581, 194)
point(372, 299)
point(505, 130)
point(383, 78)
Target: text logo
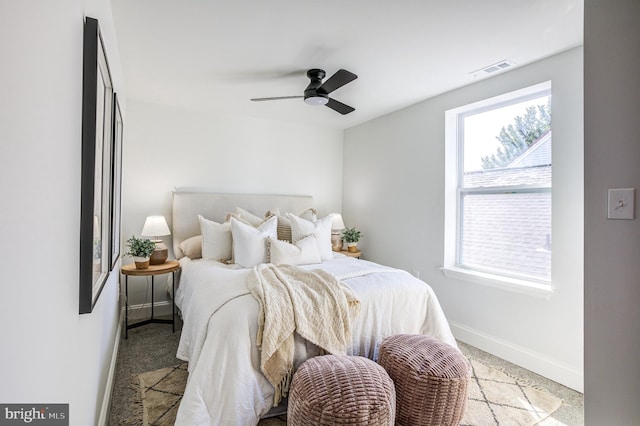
point(36, 414)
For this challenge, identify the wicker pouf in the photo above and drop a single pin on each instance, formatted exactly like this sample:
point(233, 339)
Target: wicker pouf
point(341, 390)
point(431, 379)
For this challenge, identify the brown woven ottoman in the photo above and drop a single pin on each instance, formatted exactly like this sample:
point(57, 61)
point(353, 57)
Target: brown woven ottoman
point(431, 379)
point(341, 390)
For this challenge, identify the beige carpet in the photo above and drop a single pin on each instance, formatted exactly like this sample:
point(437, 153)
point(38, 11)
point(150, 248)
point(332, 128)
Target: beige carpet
point(495, 398)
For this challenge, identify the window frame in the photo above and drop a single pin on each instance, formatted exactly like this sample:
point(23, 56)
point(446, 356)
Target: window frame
point(455, 192)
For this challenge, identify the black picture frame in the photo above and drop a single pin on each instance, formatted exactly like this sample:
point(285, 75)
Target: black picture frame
point(116, 179)
point(96, 184)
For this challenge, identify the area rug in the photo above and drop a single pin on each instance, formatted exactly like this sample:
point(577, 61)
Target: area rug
point(158, 395)
point(495, 398)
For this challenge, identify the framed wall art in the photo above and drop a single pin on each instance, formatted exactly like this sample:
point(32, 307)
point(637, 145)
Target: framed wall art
point(116, 181)
point(97, 168)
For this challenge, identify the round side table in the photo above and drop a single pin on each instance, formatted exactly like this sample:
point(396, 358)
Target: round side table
point(170, 266)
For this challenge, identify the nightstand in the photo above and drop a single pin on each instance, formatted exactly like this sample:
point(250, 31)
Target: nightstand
point(355, 254)
point(170, 266)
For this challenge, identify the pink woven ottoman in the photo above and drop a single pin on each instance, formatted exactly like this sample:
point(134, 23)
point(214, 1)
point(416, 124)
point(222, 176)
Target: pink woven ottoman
point(341, 390)
point(431, 379)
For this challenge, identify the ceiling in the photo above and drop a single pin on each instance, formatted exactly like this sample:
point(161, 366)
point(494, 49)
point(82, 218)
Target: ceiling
point(215, 55)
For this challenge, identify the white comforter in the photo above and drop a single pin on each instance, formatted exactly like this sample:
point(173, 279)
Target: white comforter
point(225, 385)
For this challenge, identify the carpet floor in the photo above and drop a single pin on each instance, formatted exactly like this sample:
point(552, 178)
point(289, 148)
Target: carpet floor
point(147, 367)
point(494, 398)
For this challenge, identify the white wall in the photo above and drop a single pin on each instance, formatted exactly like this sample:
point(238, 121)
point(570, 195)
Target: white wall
point(168, 147)
point(50, 353)
point(612, 247)
point(394, 191)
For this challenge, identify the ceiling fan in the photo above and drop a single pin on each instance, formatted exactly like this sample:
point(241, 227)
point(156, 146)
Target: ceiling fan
point(317, 92)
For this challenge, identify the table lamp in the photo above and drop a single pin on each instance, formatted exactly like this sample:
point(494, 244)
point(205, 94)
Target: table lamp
point(337, 225)
point(154, 227)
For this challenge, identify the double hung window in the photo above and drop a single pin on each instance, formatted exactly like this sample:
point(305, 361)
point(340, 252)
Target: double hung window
point(499, 188)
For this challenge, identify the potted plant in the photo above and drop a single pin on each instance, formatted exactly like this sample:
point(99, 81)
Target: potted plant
point(140, 249)
point(351, 236)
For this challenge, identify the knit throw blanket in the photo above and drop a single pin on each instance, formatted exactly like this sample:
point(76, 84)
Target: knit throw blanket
point(312, 303)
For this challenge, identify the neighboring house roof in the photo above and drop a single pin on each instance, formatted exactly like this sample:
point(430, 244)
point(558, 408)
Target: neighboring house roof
point(532, 167)
point(538, 154)
point(511, 231)
point(508, 232)
point(537, 175)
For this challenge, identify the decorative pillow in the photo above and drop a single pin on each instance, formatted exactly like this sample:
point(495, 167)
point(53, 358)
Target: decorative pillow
point(304, 252)
point(250, 244)
point(192, 247)
point(249, 217)
point(284, 228)
point(284, 224)
point(238, 217)
point(216, 239)
point(310, 215)
point(321, 229)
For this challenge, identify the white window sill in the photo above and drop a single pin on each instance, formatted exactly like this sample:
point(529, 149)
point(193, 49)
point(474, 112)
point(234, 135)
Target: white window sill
point(530, 288)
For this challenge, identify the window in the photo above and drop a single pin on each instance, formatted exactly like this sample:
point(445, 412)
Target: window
point(498, 190)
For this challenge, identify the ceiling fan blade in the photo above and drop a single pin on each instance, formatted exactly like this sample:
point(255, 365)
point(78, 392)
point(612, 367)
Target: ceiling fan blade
point(277, 98)
point(336, 81)
point(339, 107)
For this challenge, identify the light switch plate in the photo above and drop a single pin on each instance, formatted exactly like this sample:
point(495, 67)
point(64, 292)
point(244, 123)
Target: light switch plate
point(621, 203)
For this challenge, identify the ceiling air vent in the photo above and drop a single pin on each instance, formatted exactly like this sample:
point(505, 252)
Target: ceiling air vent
point(492, 69)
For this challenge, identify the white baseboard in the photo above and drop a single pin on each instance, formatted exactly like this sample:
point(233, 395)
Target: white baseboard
point(103, 419)
point(538, 363)
point(159, 308)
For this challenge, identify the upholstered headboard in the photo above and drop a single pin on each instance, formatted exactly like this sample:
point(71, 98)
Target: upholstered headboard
point(188, 204)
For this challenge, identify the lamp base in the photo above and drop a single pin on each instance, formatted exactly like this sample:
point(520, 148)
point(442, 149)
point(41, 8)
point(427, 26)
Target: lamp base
point(158, 257)
point(336, 242)
point(160, 254)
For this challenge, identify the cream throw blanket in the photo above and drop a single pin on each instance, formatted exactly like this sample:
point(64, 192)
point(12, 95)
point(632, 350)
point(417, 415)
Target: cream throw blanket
point(312, 303)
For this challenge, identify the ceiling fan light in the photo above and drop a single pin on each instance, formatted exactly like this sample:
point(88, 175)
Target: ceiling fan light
point(316, 100)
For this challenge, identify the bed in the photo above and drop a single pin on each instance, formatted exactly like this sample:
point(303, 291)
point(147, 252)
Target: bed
point(220, 314)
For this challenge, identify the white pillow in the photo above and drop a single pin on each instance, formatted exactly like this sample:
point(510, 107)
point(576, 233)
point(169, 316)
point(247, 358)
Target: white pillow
point(250, 244)
point(304, 252)
point(216, 239)
point(249, 217)
point(192, 247)
point(284, 223)
point(321, 229)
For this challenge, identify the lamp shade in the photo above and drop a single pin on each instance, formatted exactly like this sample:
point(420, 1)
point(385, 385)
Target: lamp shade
point(155, 226)
point(336, 222)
